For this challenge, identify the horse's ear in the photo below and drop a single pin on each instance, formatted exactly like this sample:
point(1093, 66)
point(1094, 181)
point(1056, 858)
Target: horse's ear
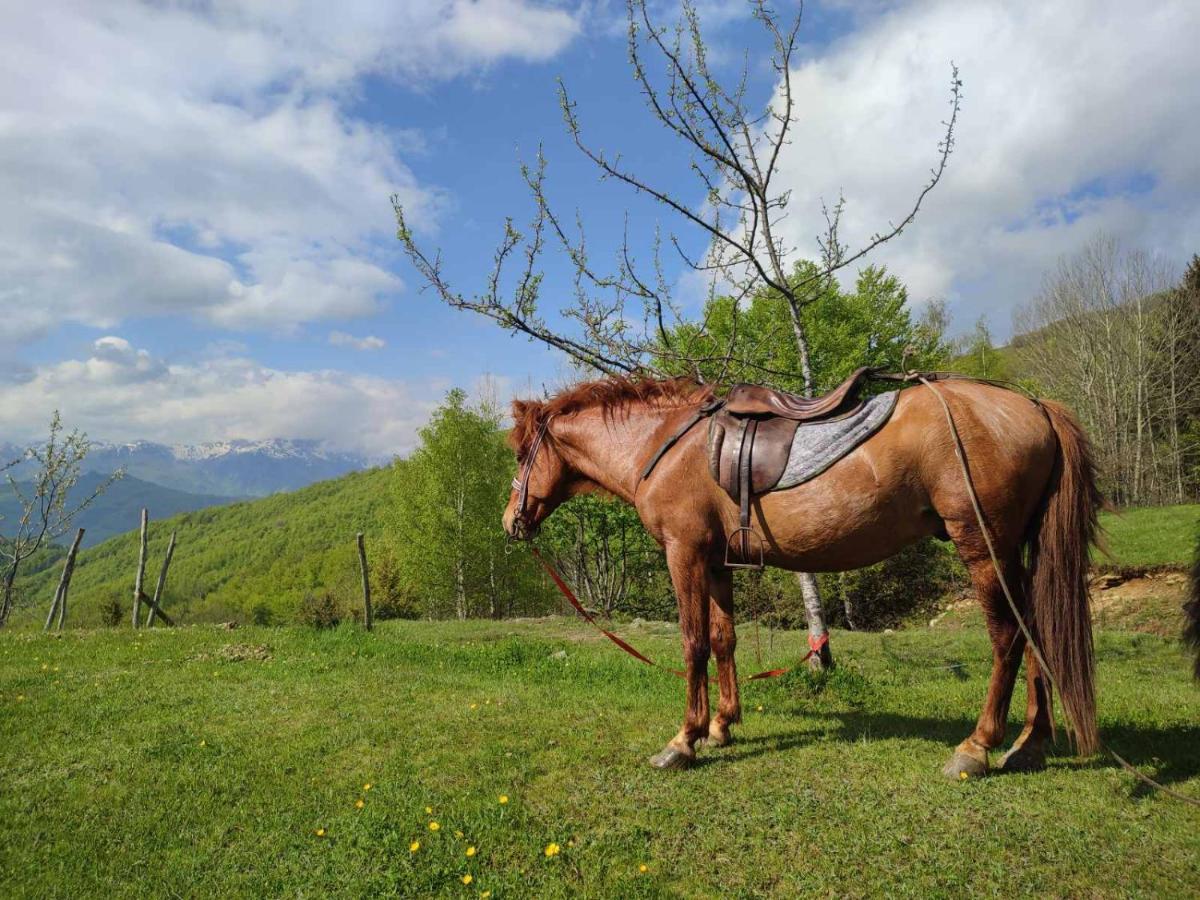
point(519, 408)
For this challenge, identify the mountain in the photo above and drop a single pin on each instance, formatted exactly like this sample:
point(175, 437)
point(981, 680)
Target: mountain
point(118, 509)
point(249, 559)
point(233, 468)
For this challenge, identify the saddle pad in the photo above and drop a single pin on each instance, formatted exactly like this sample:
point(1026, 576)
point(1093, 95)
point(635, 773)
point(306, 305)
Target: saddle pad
point(818, 445)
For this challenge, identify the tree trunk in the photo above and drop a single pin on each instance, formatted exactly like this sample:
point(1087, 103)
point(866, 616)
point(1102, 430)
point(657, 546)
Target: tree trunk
point(368, 616)
point(156, 606)
point(816, 620)
point(10, 576)
point(141, 573)
point(59, 605)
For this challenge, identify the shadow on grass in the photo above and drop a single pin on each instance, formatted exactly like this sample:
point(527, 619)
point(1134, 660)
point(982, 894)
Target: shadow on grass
point(1166, 753)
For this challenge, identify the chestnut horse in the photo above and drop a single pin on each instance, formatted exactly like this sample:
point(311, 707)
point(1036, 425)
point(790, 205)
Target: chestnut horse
point(1032, 471)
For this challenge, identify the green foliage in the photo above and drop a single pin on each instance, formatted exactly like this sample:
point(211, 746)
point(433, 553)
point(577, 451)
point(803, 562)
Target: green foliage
point(885, 594)
point(614, 565)
point(112, 613)
point(445, 531)
point(870, 325)
point(318, 609)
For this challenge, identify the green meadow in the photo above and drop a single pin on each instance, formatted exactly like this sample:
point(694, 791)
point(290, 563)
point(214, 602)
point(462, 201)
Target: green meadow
point(201, 761)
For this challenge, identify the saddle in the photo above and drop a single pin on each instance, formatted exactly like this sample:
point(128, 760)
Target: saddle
point(750, 438)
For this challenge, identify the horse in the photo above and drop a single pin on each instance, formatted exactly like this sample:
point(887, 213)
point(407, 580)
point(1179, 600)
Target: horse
point(1032, 470)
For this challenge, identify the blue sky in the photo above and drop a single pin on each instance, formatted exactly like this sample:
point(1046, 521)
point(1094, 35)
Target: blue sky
point(199, 243)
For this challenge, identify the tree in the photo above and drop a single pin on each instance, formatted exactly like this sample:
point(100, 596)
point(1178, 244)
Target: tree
point(622, 319)
point(445, 532)
point(44, 502)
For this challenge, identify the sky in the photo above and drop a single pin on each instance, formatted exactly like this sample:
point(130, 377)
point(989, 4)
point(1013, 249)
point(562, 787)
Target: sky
point(197, 241)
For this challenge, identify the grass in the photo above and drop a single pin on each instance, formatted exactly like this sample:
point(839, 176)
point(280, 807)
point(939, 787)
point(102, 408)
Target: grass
point(1151, 536)
point(181, 762)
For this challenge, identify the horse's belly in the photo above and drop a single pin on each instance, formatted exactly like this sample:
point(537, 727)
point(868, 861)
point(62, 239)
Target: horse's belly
point(848, 518)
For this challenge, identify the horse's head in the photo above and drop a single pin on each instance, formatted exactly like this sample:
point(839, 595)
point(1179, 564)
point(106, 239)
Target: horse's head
point(543, 477)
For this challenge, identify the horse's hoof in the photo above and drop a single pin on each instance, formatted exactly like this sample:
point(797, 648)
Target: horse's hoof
point(963, 766)
point(1023, 758)
point(719, 737)
point(670, 758)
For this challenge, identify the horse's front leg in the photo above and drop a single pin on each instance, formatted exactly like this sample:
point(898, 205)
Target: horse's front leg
point(690, 576)
point(724, 644)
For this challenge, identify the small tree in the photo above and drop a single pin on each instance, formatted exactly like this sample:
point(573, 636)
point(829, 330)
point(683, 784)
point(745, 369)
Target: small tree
point(46, 509)
point(621, 319)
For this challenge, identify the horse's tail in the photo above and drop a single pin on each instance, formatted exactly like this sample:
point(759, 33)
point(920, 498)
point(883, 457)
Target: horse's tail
point(1059, 550)
point(1191, 610)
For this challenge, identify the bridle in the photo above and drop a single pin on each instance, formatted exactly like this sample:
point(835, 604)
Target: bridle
point(520, 483)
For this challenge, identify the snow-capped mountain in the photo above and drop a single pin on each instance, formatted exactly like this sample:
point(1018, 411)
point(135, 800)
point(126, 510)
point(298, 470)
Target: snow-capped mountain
point(233, 468)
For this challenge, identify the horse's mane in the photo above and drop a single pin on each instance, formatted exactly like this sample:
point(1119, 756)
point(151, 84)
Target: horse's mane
point(615, 395)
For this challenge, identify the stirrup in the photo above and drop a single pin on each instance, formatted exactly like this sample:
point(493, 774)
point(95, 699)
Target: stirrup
point(745, 529)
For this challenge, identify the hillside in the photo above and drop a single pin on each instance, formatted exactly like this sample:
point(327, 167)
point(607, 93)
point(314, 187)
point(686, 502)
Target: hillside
point(118, 508)
point(232, 560)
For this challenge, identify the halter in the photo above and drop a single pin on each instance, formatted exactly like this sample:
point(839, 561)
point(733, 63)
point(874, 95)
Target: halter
point(520, 483)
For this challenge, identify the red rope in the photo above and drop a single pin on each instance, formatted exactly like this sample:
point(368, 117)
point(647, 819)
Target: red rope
point(814, 643)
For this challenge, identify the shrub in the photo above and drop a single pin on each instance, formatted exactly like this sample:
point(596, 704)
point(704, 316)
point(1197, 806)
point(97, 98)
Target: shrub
point(883, 595)
point(261, 614)
point(111, 613)
point(319, 610)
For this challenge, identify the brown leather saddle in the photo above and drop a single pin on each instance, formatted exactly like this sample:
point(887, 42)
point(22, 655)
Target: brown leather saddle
point(749, 441)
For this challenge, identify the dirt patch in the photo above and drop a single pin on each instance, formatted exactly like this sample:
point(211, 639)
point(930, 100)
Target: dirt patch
point(238, 653)
point(1149, 601)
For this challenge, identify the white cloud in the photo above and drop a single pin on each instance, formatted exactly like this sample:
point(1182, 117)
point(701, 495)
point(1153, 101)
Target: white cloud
point(120, 393)
point(199, 159)
point(1077, 117)
point(369, 342)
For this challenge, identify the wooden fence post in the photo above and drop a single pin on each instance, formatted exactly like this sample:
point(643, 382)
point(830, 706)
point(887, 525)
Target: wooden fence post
point(60, 595)
point(156, 606)
point(141, 573)
point(368, 617)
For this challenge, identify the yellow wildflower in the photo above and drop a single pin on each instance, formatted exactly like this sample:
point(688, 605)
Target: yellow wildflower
point(367, 786)
point(414, 846)
point(470, 851)
point(458, 834)
point(434, 826)
point(503, 799)
point(20, 698)
point(428, 810)
point(643, 868)
point(485, 894)
point(360, 804)
point(467, 879)
point(320, 832)
point(474, 706)
point(758, 709)
point(963, 776)
point(204, 743)
point(553, 849)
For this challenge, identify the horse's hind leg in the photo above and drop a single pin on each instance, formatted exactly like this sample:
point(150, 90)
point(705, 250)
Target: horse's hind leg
point(1028, 752)
point(724, 643)
point(971, 756)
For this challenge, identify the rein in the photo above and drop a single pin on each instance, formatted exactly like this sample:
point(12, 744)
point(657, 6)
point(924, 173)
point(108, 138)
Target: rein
point(814, 644)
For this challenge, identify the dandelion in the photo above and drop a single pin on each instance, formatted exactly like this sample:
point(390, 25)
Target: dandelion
point(45, 666)
point(204, 743)
point(470, 851)
point(485, 894)
point(474, 706)
point(758, 708)
point(429, 810)
point(414, 846)
point(962, 776)
point(458, 834)
point(320, 832)
point(20, 698)
point(467, 879)
point(643, 868)
point(553, 849)
point(367, 786)
point(503, 799)
point(360, 804)
point(434, 826)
